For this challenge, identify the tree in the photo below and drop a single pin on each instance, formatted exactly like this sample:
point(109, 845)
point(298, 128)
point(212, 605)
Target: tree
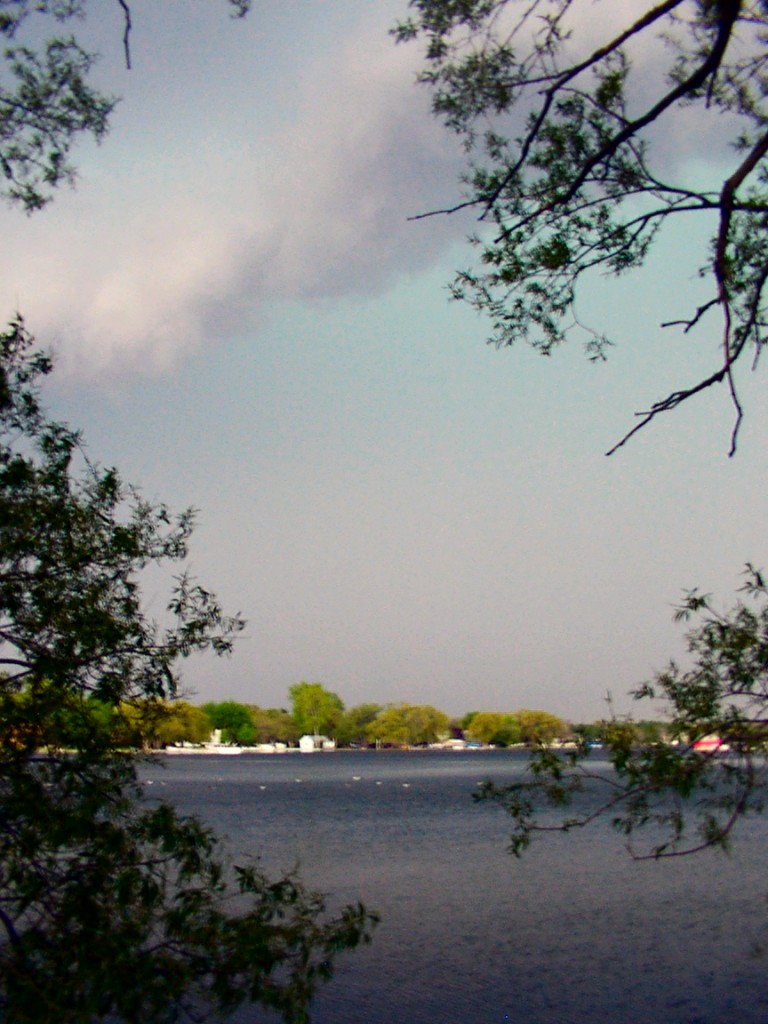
point(274, 725)
point(46, 101)
point(687, 795)
point(408, 725)
point(390, 727)
point(540, 726)
point(585, 177)
point(181, 722)
point(235, 721)
point(494, 727)
point(112, 908)
point(353, 726)
point(149, 724)
point(315, 709)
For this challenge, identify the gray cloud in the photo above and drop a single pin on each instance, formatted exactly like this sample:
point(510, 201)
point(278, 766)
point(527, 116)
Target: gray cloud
point(366, 155)
point(188, 223)
point(148, 263)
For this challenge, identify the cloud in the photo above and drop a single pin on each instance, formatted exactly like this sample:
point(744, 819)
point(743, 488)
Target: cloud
point(170, 242)
point(188, 224)
point(344, 184)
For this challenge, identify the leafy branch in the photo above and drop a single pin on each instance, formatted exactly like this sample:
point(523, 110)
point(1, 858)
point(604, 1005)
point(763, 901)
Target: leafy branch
point(562, 168)
point(680, 795)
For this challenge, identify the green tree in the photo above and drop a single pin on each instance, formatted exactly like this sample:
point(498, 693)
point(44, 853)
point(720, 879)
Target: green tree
point(274, 725)
point(390, 727)
point(540, 726)
point(316, 711)
point(235, 721)
point(408, 725)
point(151, 724)
point(574, 163)
point(46, 99)
point(687, 798)
point(181, 722)
point(466, 720)
point(590, 732)
point(112, 908)
point(650, 731)
point(426, 724)
point(353, 725)
point(494, 727)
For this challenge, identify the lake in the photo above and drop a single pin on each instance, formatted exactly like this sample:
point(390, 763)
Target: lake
point(574, 932)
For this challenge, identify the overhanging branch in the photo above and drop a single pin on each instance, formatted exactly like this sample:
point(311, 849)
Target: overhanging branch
point(127, 26)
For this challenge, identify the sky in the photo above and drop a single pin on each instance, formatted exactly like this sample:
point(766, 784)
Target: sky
point(245, 320)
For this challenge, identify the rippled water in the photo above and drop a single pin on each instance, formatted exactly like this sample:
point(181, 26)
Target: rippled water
point(573, 932)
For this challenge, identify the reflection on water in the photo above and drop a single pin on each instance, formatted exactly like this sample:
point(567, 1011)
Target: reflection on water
point(573, 932)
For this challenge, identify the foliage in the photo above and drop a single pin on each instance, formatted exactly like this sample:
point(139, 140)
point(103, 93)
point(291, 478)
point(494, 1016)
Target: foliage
point(112, 907)
point(274, 725)
point(493, 727)
point(321, 709)
point(466, 719)
point(145, 724)
point(234, 720)
point(46, 101)
point(645, 730)
point(649, 731)
point(179, 722)
point(316, 711)
point(574, 159)
point(685, 798)
point(353, 728)
point(408, 725)
point(590, 732)
point(540, 726)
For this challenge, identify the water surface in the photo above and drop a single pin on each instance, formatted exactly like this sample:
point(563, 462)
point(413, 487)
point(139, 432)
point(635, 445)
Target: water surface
point(574, 932)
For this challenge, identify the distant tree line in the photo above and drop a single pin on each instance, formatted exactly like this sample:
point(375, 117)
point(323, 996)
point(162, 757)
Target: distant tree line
point(315, 710)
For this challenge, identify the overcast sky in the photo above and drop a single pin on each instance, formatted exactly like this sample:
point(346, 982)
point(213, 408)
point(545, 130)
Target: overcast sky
point(247, 322)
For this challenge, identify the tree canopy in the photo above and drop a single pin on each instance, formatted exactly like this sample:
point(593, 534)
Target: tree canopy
point(315, 710)
point(411, 725)
point(573, 129)
point(234, 720)
point(353, 727)
point(112, 907)
point(493, 727)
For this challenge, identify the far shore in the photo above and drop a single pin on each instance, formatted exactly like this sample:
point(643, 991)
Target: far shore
point(224, 749)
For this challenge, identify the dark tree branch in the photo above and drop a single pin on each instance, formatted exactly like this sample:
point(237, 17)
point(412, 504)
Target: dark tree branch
point(690, 324)
point(572, 189)
point(722, 275)
point(10, 928)
point(127, 26)
point(671, 402)
point(561, 81)
point(707, 69)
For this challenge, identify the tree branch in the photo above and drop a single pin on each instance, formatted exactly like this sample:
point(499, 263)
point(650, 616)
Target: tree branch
point(550, 93)
point(127, 26)
point(729, 15)
point(722, 275)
